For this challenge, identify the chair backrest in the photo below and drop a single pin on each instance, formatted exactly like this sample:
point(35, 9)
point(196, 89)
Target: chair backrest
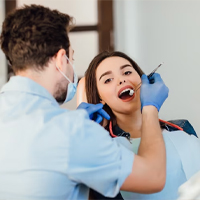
point(81, 94)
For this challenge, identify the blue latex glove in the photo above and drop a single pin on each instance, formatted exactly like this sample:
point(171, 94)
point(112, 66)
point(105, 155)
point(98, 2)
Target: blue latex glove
point(95, 111)
point(153, 92)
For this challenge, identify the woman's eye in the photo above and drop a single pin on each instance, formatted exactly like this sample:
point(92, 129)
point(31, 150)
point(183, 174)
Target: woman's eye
point(127, 72)
point(108, 80)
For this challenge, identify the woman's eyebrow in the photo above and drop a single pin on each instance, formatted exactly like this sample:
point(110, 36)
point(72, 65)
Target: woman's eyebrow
point(126, 65)
point(109, 72)
point(105, 73)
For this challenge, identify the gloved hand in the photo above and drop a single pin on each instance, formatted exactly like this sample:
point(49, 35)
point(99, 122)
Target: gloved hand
point(95, 112)
point(153, 94)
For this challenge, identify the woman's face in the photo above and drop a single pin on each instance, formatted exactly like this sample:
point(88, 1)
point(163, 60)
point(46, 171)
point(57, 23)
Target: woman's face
point(116, 77)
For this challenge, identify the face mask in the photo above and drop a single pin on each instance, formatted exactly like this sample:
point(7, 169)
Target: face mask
point(71, 88)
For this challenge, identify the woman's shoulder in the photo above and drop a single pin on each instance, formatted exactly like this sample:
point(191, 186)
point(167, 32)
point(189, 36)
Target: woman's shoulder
point(181, 138)
point(179, 134)
point(187, 147)
point(178, 124)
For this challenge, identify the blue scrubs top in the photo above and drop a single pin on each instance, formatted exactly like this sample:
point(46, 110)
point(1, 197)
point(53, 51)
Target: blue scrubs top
point(50, 153)
point(183, 161)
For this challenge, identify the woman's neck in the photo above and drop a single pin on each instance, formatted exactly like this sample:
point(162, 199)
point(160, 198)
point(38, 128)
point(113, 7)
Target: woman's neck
point(130, 123)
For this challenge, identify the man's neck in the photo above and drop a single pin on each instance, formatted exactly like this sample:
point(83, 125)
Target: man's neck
point(39, 77)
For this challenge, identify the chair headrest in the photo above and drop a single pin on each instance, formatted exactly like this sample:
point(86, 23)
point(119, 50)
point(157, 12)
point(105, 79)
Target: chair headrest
point(81, 94)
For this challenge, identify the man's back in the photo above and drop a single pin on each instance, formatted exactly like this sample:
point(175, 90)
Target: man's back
point(33, 149)
point(45, 151)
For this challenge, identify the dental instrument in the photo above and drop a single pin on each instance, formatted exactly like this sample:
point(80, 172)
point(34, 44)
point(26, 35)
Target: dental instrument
point(149, 76)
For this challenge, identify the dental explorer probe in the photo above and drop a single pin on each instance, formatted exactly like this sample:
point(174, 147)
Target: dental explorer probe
point(149, 76)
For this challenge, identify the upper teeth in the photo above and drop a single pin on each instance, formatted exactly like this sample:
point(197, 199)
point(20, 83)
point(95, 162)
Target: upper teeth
point(131, 92)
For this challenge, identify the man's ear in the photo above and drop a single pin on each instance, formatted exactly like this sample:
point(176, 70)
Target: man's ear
point(60, 58)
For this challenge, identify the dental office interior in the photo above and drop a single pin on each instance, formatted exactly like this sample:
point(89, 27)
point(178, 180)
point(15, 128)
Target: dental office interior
point(149, 31)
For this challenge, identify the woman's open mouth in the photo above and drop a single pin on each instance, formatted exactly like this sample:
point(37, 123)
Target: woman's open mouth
point(126, 94)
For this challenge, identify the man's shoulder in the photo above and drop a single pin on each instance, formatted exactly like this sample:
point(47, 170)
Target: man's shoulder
point(73, 122)
point(70, 115)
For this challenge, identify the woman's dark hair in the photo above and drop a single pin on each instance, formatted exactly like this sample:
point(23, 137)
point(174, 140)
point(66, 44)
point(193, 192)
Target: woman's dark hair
point(31, 35)
point(90, 78)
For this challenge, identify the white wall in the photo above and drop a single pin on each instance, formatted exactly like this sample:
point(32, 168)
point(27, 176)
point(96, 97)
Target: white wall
point(76, 8)
point(3, 69)
point(153, 31)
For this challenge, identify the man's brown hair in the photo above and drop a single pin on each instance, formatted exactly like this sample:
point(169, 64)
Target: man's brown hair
point(31, 35)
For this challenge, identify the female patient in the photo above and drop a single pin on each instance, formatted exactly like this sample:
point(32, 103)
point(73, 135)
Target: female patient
point(112, 79)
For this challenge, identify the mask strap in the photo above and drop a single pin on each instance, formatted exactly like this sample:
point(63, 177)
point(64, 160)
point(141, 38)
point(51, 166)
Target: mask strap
point(63, 73)
point(69, 61)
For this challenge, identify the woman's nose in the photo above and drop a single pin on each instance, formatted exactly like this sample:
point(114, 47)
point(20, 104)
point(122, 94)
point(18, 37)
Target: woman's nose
point(122, 82)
